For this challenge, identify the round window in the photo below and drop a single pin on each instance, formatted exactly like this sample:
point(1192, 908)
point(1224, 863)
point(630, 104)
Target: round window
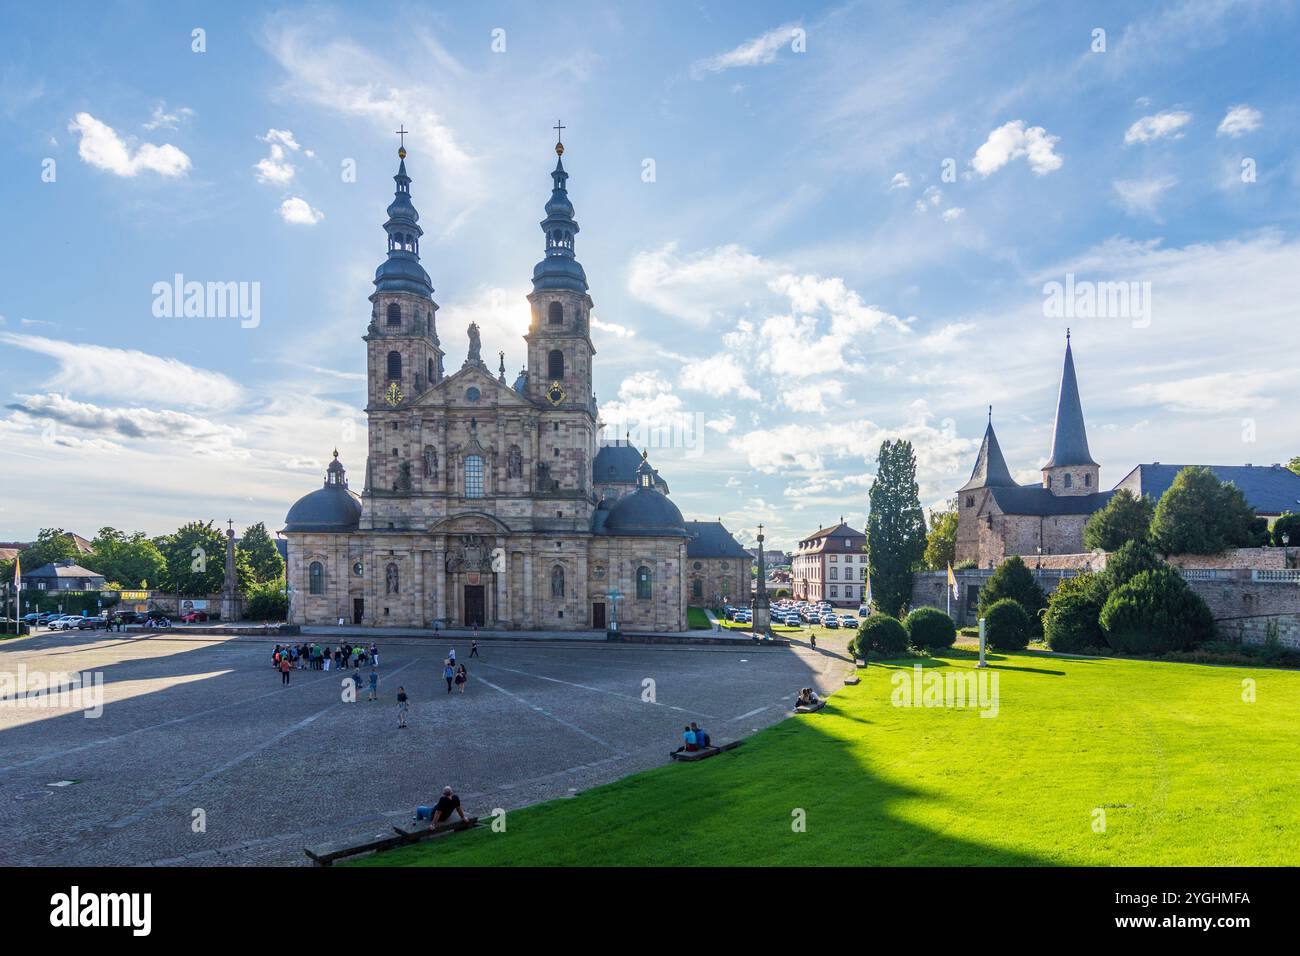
point(726, 565)
point(698, 565)
point(472, 393)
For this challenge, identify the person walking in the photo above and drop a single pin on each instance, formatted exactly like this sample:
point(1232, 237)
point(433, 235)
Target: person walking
point(473, 648)
point(462, 676)
point(402, 707)
point(374, 685)
point(448, 674)
point(451, 656)
point(284, 670)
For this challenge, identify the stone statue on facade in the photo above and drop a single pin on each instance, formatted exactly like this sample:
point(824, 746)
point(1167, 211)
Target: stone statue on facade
point(390, 582)
point(475, 356)
point(515, 463)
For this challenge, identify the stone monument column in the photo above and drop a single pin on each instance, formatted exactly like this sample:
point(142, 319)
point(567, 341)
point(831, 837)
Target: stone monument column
point(231, 606)
point(762, 623)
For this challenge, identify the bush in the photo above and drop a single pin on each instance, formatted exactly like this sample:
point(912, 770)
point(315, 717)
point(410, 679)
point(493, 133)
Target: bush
point(1071, 622)
point(1126, 564)
point(1013, 580)
point(928, 628)
point(1006, 626)
point(883, 634)
point(266, 602)
point(1288, 524)
point(1155, 613)
point(970, 564)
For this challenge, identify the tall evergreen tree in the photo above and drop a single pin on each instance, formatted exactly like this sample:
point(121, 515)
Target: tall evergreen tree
point(1126, 517)
point(263, 557)
point(895, 528)
point(1200, 514)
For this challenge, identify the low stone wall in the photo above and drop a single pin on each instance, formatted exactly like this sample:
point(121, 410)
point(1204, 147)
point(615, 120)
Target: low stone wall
point(1240, 596)
point(1257, 630)
point(1248, 559)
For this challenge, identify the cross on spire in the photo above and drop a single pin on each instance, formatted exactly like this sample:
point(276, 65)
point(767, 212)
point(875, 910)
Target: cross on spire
point(559, 128)
point(401, 133)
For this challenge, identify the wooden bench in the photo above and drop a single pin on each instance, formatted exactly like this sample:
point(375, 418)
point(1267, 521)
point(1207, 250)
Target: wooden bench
point(811, 708)
point(690, 755)
point(325, 854)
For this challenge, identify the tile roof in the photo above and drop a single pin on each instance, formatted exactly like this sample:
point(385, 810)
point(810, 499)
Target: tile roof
point(1269, 489)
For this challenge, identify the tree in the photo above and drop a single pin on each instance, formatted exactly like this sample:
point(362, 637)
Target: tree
point(266, 602)
point(1154, 613)
point(941, 542)
point(895, 527)
point(1287, 524)
point(1294, 464)
point(1013, 580)
point(195, 557)
point(131, 561)
point(1201, 515)
point(1123, 566)
point(1126, 517)
point(263, 557)
point(51, 544)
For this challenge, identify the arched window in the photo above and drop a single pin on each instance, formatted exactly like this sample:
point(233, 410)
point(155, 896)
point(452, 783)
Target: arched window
point(1069, 480)
point(555, 365)
point(1087, 481)
point(394, 314)
point(697, 588)
point(473, 476)
point(430, 371)
point(557, 582)
point(555, 314)
point(643, 583)
point(394, 366)
point(316, 578)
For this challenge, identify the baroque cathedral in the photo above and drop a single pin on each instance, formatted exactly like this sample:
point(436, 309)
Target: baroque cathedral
point(487, 502)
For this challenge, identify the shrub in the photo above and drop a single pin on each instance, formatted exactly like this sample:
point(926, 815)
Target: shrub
point(266, 602)
point(1155, 613)
point(1126, 517)
point(970, 564)
point(1126, 564)
point(1013, 580)
point(1071, 623)
point(883, 634)
point(1006, 626)
point(929, 628)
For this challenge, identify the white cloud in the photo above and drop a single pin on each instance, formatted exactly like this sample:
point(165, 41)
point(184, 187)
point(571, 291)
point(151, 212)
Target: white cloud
point(720, 375)
point(900, 181)
point(502, 316)
point(275, 169)
point(722, 425)
point(1239, 121)
point(613, 328)
point(646, 402)
point(133, 423)
point(103, 148)
point(299, 212)
point(952, 213)
point(98, 370)
point(697, 288)
point(1157, 126)
point(165, 120)
point(758, 51)
point(1141, 196)
point(1218, 392)
point(1012, 141)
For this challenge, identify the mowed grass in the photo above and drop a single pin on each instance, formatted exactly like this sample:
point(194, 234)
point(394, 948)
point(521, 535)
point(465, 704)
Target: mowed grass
point(1185, 770)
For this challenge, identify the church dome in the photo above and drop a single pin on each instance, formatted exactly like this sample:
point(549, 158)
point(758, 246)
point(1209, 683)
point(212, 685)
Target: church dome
point(646, 512)
point(402, 273)
point(327, 510)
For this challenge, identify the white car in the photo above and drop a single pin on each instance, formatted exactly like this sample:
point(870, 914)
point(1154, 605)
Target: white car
point(67, 622)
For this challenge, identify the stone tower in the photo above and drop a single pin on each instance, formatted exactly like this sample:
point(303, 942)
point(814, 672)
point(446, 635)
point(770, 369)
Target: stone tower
point(1070, 470)
point(403, 357)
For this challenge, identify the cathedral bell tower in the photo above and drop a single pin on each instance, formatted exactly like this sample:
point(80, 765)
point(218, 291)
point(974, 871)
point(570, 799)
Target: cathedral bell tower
point(403, 354)
point(559, 334)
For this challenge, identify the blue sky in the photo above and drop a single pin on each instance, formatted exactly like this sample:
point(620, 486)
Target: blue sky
point(806, 228)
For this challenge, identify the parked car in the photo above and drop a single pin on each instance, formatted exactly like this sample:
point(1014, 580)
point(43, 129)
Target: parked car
point(64, 622)
point(90, 623)
point(32, 618)
point(830, 621)
point(193, 617)
point(49, 616)
point(130, 617)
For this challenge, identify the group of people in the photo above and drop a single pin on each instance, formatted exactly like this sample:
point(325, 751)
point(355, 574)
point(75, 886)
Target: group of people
point(456, 674)
point(694, 738)
point(314, 657)
point(807, 697)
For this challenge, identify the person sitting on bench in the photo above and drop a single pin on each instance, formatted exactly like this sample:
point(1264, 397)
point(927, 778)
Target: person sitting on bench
point(807, 697)
point(446, 805)
point(688, 736)
point(702, 739)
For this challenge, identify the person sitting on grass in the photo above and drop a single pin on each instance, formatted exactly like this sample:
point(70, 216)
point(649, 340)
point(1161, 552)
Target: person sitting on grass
point(807, 697)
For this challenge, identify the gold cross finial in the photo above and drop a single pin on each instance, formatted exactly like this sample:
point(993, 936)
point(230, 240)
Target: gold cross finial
point(559, 137)
point(401, 133)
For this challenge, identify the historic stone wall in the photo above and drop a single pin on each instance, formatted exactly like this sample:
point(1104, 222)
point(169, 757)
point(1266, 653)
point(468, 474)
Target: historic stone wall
point(715, 581)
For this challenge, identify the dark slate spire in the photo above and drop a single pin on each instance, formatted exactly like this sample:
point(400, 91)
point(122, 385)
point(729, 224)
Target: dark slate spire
point(560, 269)
point(401, 271)
point(991, 469)
point(1070, 438)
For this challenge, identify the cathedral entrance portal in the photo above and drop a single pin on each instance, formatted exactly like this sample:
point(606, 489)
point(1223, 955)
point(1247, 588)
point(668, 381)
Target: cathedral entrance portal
point(358, 610)
point(474, 605)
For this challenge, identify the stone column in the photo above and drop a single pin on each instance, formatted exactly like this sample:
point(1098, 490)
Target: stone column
point(440, 584)
point(530, 619)
point(417, 574)
point(502, 576)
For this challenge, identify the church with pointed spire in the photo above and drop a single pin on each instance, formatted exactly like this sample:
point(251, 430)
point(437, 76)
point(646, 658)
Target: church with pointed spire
point(486, 502)
point(998, 517)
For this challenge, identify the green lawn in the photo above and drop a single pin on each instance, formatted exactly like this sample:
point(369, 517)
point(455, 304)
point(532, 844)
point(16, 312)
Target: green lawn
point(697, 619)
point(1186, 771)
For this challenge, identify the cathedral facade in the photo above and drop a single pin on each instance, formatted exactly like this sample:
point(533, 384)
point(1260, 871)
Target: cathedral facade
point(487, 502)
